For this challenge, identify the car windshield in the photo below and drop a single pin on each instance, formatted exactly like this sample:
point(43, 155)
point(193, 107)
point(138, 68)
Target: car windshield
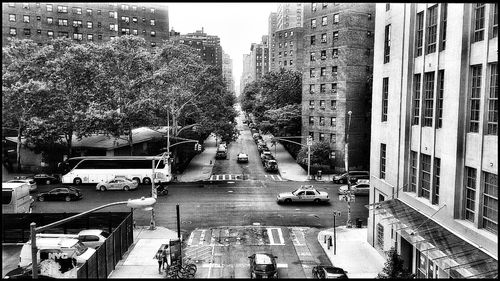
point(73, 189)
point(295, 192)
point(264, 267)
point(105, 234)
point(80, 248)
point(334, 270)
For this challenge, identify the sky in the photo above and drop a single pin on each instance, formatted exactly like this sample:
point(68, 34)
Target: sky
point(238, 25)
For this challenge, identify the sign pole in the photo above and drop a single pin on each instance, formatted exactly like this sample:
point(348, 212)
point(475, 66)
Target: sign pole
point(334, 236)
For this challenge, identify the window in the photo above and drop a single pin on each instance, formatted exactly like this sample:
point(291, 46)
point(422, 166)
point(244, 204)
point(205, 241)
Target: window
point(428, 99)
point(382, 160)
point(313, 23)
point(152, 22)
point(387, 43)
point(77, 36)
point(286, 35)
point(334, 88)
point(12, 17)
point(291, 52)
point(313, 39)
point(62, 34)
point(314, 7)
point(479, 22)
point(311, 89)
point(126, 19)
point(113, 27)
point(321, 138)
point(111, 14)
point(134, 31)
point(437, 178)
point(431, 30)
point(124, 7)
point(313, 56)
point(126, 31)
point(27, 32)
point(335, 53)
point(291, 43)
point(63, 22)
point(62, 9)
point(333, 139)
point(322, 71)
point(380, 236)
point(284, 54)
point(38, 18)
point(77, 23)
point(425, 176)
point(311, 120)
point(439, 99)
point(335, 35)
point(50, 33)
point(444, 18)
point(493, 101)
point(336, 18)
point(420, 34)
point(50, 20)
point(90, 37)
point(99, 36)
point(333, 121)
point(311, 134)
point(322, 88)
point(322, 103)
point(26, 6)
point(333, 104)
point(334, 70)
point(490, 203)
point(49, 7)
point(324, 21)
point(39, 31)
point(77, 11)
point(99, 24)
point(323, 55)
point(12, 31)
point(470, 193)
point(98, 12)
point(89, 12)
point(323, 38)
point(89, 24)
point(475, 99)
point(322, 121)
point(134, 8)
point(416, 99)
point(387, 7)
point(134, 19)
point(152, 10)
point(385, 98)
point(495, 20)
point(26, 19)
point(311, 104)
point(312, 73)
point(413, 172)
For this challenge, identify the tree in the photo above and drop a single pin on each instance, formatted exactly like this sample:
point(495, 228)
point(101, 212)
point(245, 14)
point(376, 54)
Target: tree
point(320, 156)
point(394, 267)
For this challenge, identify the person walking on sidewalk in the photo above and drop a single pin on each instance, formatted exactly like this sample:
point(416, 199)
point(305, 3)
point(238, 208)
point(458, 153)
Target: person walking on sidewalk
point(164, 256)
point(159, 257)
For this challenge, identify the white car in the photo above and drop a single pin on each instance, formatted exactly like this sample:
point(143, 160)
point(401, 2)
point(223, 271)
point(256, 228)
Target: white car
point(265, 152)
point(242, 157)
point(30, 182)
point(93, 238)
point(305, 193)
point(362, 188)
point(118, 183)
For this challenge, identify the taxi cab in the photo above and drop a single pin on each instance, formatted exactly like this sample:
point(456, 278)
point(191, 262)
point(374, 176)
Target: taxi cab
point(305, 193)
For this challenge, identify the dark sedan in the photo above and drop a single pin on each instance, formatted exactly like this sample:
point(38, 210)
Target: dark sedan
point(66, 193)
point(263, 265)
point(46, 179)
point(328, 272)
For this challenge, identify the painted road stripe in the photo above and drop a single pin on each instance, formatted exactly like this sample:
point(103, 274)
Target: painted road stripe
point(190, 240)
point(202, 236)
point(271, 236)
point(238, 265)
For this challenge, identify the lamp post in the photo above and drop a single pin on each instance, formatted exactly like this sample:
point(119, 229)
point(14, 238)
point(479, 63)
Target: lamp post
point(309, 143)
point(349, 191)
point(143, 203)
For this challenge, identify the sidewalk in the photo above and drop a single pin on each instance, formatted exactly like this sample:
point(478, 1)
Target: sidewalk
point(200, 167)
point(139, 261)
point(353, 252)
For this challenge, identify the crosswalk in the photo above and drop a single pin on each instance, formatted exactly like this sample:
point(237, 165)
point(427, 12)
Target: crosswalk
point(235, 236)
point(239, 177)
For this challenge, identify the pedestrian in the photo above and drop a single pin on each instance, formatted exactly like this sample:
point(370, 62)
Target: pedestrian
point(165, 257)
point(159, 257)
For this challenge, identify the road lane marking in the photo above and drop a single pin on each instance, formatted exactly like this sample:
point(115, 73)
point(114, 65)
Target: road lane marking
point(271, 236)
point(190, 240)
point(202, 236)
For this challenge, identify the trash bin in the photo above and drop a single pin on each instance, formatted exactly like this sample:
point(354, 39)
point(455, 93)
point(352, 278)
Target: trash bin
point(358, 223)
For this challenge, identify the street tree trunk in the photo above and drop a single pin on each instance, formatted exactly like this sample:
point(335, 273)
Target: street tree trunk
point(130, 141)
point(18, 156)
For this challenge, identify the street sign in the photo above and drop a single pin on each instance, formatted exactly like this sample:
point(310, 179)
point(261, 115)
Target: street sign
point(309, 140)
point(347, 198)
point(336, 213)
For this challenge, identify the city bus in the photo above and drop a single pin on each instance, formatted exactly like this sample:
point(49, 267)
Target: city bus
point(95, 169)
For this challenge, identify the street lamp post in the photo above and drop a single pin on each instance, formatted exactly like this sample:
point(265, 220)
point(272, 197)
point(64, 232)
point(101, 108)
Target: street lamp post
point(309, 142)
point(143, 203)
point(349, 191)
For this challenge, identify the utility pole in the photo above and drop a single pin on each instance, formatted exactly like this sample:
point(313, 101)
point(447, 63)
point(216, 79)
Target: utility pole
point(309, 143)
point(349, 191)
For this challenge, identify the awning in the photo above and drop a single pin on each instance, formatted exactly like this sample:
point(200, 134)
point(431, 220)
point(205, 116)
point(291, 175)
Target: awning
point(451, 253)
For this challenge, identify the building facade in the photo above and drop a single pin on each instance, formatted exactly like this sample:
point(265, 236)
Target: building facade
point(227, 71)
point(287, 49)
point(289, 15)
point(85, 22)
point(208, 45)
point(272, 25)
point(434, 141)
point(259, 59)
point(246, 75)
point(338, 59)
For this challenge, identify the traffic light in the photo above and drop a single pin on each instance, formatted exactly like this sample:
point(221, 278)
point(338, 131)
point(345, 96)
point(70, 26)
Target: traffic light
point(199, 147)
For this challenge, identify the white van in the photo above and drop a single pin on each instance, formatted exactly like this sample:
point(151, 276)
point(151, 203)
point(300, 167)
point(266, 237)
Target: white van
point(56, 248)
point(16, 198)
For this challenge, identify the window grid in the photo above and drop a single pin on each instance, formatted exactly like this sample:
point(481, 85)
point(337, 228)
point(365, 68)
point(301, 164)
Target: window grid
point(437, 179)
point(428, 97)
point(413, 172)
point(385, 98)
point(439, 99)
point(382, 160)
point(470, 193)
point(380, 236)
point(444, 19)
point(475, 99)
point(431, 30)
point(425, 176)
point(420, 33)
point(490, 203)
point(493, 101)
point(495, 20)
point(479, 22)
point(387, 43)
point(416, 100)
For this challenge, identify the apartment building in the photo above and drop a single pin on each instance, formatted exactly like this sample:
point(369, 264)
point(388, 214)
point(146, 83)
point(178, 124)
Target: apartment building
point(246, 74)
point(227, 71)
point(259, 59)
point(208, 46)
point(434, 141)
point(287, 49)
point(85, 22)
point(289, 15)
point(272, 25)
point(337, 66)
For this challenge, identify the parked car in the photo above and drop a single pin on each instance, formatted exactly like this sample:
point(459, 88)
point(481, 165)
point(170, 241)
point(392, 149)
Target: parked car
point(66, 193)
point(92, 238)
point(357, 189)
point(265, 153)
point(263, 265)
point(305, 193)
point(117, 183)
point(354, 176)
point(30, 182)
point(46, 179)
point(242, 157)
point(266, 158)
point(271, 165)
point(328, 272)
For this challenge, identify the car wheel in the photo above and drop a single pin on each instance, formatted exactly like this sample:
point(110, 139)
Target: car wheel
point(137, 180)
point(317, 201)
point(67, 198)
point(146, 181)
point(47, 182)
point(41, 198)
point(102, 188)
point(77, 181)
point(288, 200)
point(126, 188)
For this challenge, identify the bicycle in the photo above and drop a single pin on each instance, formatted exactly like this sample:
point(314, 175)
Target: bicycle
point(176, 270)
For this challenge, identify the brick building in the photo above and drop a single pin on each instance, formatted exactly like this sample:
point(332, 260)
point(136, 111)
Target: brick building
point(227, 71)
point(434, 142)
point(338, 59)
point(287, 49)
point(85, 22)
point(289, 15)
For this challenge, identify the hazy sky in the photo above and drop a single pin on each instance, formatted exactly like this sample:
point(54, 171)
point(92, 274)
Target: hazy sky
point(237, 25)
